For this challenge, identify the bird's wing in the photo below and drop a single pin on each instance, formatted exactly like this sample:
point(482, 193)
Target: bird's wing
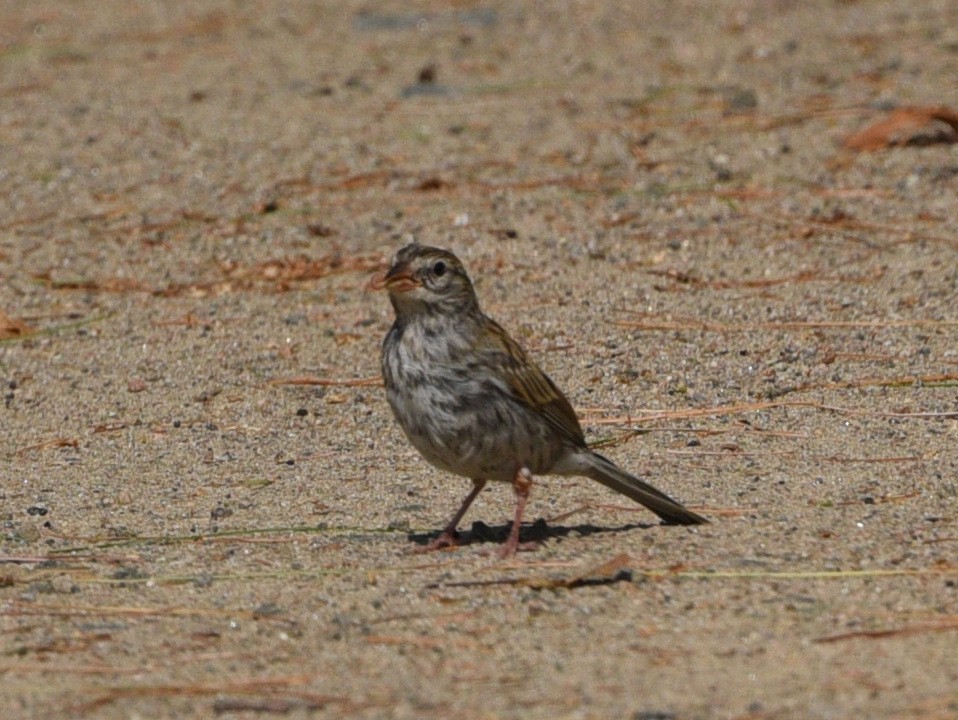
point(531, 386)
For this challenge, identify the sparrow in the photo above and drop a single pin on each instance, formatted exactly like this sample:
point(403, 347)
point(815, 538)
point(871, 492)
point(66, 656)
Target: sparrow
point(473, 403)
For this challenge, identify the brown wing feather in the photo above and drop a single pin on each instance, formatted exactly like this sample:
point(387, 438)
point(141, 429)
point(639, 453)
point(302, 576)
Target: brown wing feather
point(531, 386)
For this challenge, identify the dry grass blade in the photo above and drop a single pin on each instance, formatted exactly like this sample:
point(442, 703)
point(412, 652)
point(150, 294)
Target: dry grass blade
point(618, 564)
point(880, 460)
point(264, 686)
point(285, 271)
point(806, 276)
point(714, 411)
point(606, 573)
point(279, 275)
point(946, 626)
point(55, 443)
point(904, 381)
point(329, 382)
point(669, 326)
point(50, 669)
point(797, 574)
point(742, 408)
point(239, 534)
point(610, 571)
point(55, 329)
point(21, 609)
point(22, 559)
point(103, 285)
point(416, 641)
point(735, 453)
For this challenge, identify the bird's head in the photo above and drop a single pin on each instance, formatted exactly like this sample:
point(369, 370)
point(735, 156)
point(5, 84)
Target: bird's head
point(429, 280)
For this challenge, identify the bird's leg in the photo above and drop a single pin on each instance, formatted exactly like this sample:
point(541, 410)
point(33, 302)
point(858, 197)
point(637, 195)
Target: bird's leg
point(522, 484)
point(449, 537)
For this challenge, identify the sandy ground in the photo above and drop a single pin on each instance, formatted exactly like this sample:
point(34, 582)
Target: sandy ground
point(655, 200)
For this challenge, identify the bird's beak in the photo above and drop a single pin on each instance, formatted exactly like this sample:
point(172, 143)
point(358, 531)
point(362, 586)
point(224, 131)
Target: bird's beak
point(399, 278)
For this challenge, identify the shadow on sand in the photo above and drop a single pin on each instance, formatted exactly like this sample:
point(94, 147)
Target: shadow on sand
point(538, 532)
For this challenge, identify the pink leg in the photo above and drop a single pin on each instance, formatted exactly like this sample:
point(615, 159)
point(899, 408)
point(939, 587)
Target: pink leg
point(522, 484)
point(448, 537)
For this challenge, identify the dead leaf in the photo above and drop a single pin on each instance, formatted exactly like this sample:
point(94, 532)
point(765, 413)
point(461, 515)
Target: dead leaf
point(11, 328)
point(907, 126)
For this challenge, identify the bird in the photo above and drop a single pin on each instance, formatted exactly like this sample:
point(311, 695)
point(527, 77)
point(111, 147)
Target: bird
point(473, 402)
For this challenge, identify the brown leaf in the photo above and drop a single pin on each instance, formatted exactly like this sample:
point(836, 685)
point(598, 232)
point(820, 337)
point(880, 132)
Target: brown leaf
point(11, 328)
point(907, 126)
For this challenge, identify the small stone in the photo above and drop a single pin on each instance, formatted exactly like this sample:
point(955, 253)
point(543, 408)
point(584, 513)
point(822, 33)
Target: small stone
point(135, 385)
point(267, 609)
point(427, 74)
point(220, 512)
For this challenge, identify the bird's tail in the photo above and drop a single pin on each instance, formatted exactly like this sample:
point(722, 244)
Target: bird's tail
point(612, 476)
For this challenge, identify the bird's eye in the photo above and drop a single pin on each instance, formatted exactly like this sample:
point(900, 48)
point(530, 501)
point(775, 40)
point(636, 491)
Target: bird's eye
point(439, 269)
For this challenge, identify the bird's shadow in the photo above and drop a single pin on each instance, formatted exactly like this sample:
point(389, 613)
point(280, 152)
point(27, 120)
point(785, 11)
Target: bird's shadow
point(538, 532)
